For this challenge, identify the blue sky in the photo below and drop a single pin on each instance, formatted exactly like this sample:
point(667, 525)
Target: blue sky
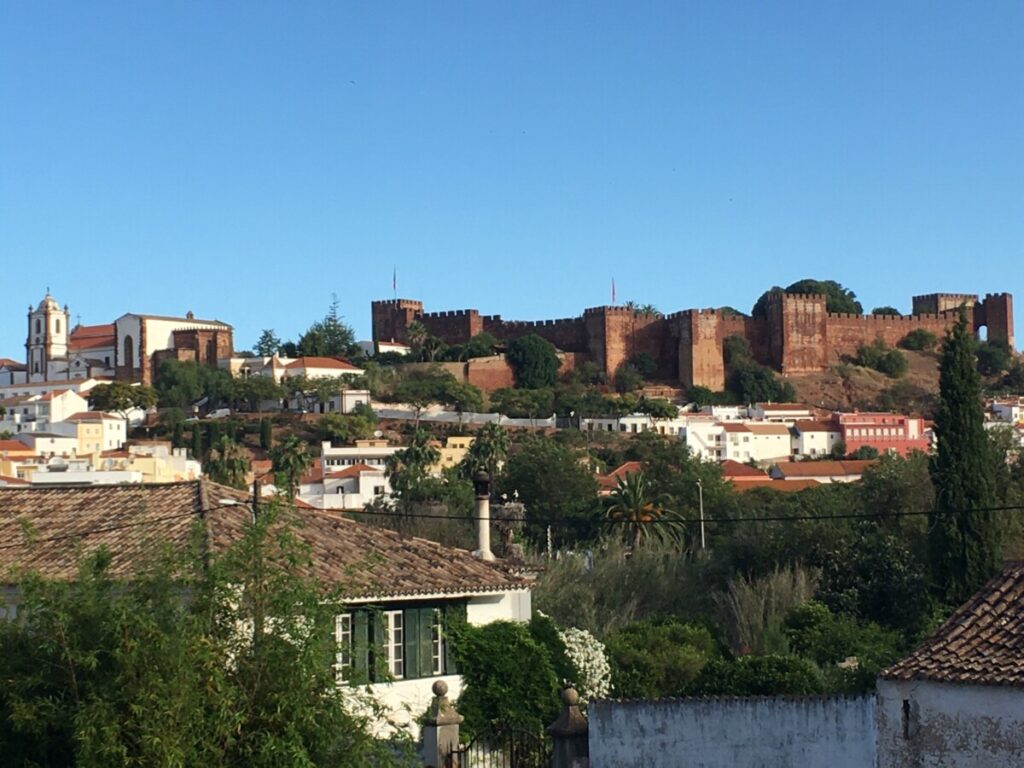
point(245, 160)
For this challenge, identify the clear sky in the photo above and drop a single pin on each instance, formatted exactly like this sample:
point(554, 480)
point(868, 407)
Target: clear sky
point(245, 160)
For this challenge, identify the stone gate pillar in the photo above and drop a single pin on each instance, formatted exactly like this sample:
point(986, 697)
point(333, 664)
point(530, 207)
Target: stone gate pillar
point(569, 734)
point(440, 728)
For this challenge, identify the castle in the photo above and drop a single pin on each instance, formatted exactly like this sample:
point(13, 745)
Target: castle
point(796, 335)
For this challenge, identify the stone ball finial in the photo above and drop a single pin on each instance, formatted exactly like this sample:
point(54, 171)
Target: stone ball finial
point(440, 688)
point(570, 697)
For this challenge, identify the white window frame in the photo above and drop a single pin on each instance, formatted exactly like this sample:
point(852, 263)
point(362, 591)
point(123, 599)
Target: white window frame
point(437, 644)
point(343, 637)
point(394, 643)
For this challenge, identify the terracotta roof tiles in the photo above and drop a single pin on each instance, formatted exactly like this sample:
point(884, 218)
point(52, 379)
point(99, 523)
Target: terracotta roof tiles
point(368, 562)
point(982, 643)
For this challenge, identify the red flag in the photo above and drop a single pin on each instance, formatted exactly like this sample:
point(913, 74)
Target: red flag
point(613, 290)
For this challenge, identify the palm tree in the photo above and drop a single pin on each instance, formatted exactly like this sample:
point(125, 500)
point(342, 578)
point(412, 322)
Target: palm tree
point(227, 463)
point(489, 449)
point(408, 468)
point(641, 515)
point(289, 459)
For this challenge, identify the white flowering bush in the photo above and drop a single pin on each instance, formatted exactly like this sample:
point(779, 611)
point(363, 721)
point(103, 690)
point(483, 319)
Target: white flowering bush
point(590, 658)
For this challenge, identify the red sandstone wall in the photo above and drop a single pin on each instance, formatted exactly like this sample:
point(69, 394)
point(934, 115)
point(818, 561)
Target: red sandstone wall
point(568, 334)
point(846, 333)
point(391, 318)
point(804, 336)
point(700, 335)
point(489, 373)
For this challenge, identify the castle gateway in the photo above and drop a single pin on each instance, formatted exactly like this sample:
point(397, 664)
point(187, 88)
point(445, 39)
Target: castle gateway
point(796, 335)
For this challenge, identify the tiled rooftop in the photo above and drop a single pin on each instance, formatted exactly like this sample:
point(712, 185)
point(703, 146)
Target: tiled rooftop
point(982, 643)
point(368, 562)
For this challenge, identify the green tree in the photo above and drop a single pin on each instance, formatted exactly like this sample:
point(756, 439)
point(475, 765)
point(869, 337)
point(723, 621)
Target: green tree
point(994, 357)
point(654, 659)
point(919, 340)
point(197, 441)
point(637, 514)
point(289, 459)
point(266, 434)
point(422, 388)
point(120, 397)
point(104, 670)
point(347, 428)
point(488, 450)
point(534, 362)
point(329, 337)
point(555, 487)
point(255, 390)
point(837, 298)
point(409, 469)
point(178, 435)
point(523, 403)
point(964, 538)
point(887, 310)
point(227, 463)
point(268, 343)
point(180, 384)
point(498, 687)
point(628, 378)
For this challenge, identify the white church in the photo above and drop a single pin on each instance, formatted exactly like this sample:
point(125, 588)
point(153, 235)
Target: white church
point(130, 348)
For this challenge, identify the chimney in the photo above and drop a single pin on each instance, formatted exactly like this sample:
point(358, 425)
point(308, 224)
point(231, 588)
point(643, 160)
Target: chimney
point(482, 482)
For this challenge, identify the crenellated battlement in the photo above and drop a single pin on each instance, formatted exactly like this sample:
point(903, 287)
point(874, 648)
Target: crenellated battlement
point(399, 303)
point(452, 313)
point(798, 335)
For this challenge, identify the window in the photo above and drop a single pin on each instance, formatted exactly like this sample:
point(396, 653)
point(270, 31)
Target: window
point(378, 490)
point(394, 643)
point(38, 327)
point(436, 644)
point(343, 637)
point(57, 327)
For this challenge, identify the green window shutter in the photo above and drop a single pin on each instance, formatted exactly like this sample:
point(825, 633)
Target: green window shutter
point(360, 646)
point(454, 613)
point(426, 650)
point(413, 658)
point(378, 653)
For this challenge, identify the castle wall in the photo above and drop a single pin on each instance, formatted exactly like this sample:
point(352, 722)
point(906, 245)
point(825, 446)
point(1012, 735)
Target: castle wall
point(796, 336)
point(846, 333)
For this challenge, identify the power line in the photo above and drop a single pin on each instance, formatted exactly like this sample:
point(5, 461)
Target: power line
point(538, 521)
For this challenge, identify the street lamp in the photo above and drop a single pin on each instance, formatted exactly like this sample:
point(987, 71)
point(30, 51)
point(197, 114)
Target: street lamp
point(700, 497)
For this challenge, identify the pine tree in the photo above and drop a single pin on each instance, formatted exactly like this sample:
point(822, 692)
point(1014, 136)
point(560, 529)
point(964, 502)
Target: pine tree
point(963, 540)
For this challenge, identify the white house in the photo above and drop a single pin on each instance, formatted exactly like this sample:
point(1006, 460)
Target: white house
point(958, 700)
point(636, 423)
point(353, 487)
point(400, 592)
point(812, 439)
point(1008, 411)
point(49, 443)
point(374, 453)
point(705, 437)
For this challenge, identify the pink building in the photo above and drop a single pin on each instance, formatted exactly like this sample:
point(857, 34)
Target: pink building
point(884, 431)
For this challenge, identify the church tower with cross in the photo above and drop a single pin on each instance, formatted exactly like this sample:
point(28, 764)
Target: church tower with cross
point(47, 339)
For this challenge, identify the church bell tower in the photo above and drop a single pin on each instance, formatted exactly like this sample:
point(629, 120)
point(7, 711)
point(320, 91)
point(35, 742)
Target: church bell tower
point(47, 339)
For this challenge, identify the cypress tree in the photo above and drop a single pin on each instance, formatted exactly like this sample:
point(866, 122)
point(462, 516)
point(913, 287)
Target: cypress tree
point(266, 434)
point(197, 442)
point(963, 541)
point(178, 435)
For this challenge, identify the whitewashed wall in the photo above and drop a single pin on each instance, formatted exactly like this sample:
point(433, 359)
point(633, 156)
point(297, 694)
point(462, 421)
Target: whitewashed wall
point(721, 732)
point(953, 726)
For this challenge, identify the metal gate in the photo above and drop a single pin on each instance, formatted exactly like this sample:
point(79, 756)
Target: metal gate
point(502, 747)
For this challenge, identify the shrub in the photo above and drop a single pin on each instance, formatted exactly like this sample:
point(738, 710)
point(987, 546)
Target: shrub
point(654, 659)
point(994, 357)
point(771, 675)
point(534, 362)
point(882, 358)
point(919, 340)
point(507, 677)
point(589, 656)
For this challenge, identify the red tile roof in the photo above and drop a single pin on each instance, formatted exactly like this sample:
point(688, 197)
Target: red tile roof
point(92, 416)
point(322, 362)
point(788, 486)
point(368, 562)
point(816, 426)
point(768, 407)
point(52, 394)
point(799, 469)
point(609, 482)
point(354, 471)
point(729, 426)
point(4, 479)
point(14, 446)
point(9, 362)
point(731, 469)
point(982, 643)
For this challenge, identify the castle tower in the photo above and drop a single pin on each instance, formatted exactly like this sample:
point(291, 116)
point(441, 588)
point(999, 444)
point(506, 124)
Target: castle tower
point(47, 338)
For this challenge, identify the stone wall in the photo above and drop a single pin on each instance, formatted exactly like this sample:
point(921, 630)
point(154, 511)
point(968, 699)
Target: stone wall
point(727, 732)
point(797, 336)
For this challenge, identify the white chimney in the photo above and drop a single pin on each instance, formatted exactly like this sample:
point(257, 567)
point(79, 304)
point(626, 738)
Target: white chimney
point(482, 481)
